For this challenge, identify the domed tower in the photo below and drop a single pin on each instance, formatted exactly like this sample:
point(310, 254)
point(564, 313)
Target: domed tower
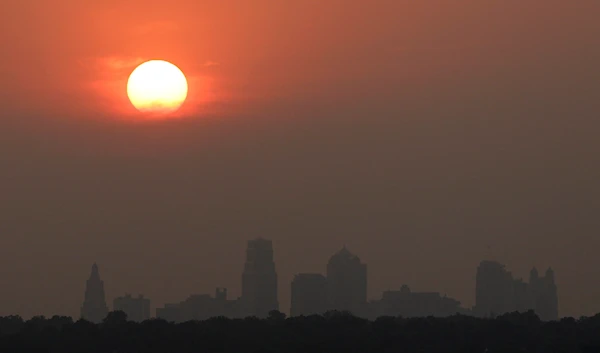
point(94, 307)
point(347, 283)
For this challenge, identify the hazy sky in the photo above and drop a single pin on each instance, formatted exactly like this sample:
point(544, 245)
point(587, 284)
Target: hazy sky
point(418, 133)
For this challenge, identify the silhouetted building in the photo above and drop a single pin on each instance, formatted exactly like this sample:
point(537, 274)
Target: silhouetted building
point(406, 303)
point(94, 307)
point(523, 301)
point(200, 307)
point(137, 309)
point(493, 290)
point(259, 280)
point(347, 283)
point(170, 313)
point(545, 294)
point(309, 294)
point(498, 293)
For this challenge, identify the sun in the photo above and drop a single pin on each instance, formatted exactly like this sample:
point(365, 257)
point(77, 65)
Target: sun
point(157, 86)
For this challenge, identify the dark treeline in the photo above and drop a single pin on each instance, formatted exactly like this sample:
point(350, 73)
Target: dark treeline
point(332, 332)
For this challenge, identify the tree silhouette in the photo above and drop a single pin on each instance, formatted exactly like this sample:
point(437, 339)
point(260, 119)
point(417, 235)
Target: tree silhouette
point(276, 316)
point(332, 332)
point(115, 318)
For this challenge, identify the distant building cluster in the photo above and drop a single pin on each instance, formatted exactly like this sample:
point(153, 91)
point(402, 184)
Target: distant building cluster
point(342, 288)
point(406, 303)
point(137, 309)
point(497, 292)
point(94, 308)
point(200, 307)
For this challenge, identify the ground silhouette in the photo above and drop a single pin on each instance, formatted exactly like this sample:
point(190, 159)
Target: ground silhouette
point(331, 332)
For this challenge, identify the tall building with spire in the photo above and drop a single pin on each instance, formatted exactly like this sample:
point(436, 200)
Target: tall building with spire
point(259, 280)
point(94, 307)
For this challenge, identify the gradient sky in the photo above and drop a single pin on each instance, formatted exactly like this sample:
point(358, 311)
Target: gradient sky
point(424, 135)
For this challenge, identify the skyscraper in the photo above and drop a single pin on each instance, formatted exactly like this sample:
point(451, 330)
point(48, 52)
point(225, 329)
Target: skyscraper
point(94, 307)
point(494, 290)
point(347, 283)
point(545, 294)
point(259, 280)
point(309, 294)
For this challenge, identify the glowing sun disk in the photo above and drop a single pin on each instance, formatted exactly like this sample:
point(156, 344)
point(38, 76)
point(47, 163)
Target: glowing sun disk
point(157, 86)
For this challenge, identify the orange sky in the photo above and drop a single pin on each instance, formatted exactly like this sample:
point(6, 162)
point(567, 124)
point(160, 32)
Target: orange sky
point(416, 132)
point(73, 57)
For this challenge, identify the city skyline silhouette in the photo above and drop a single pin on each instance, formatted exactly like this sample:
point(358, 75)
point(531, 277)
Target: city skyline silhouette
point(314, 176)
point(427, 136)
point(343, 288)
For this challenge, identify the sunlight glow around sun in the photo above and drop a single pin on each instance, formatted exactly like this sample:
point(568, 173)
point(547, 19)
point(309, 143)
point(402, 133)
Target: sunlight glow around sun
point(157, 86)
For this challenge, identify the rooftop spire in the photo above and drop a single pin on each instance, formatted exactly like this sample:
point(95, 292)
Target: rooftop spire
point(94, 307)
point(550, 274)
point(95, 273)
